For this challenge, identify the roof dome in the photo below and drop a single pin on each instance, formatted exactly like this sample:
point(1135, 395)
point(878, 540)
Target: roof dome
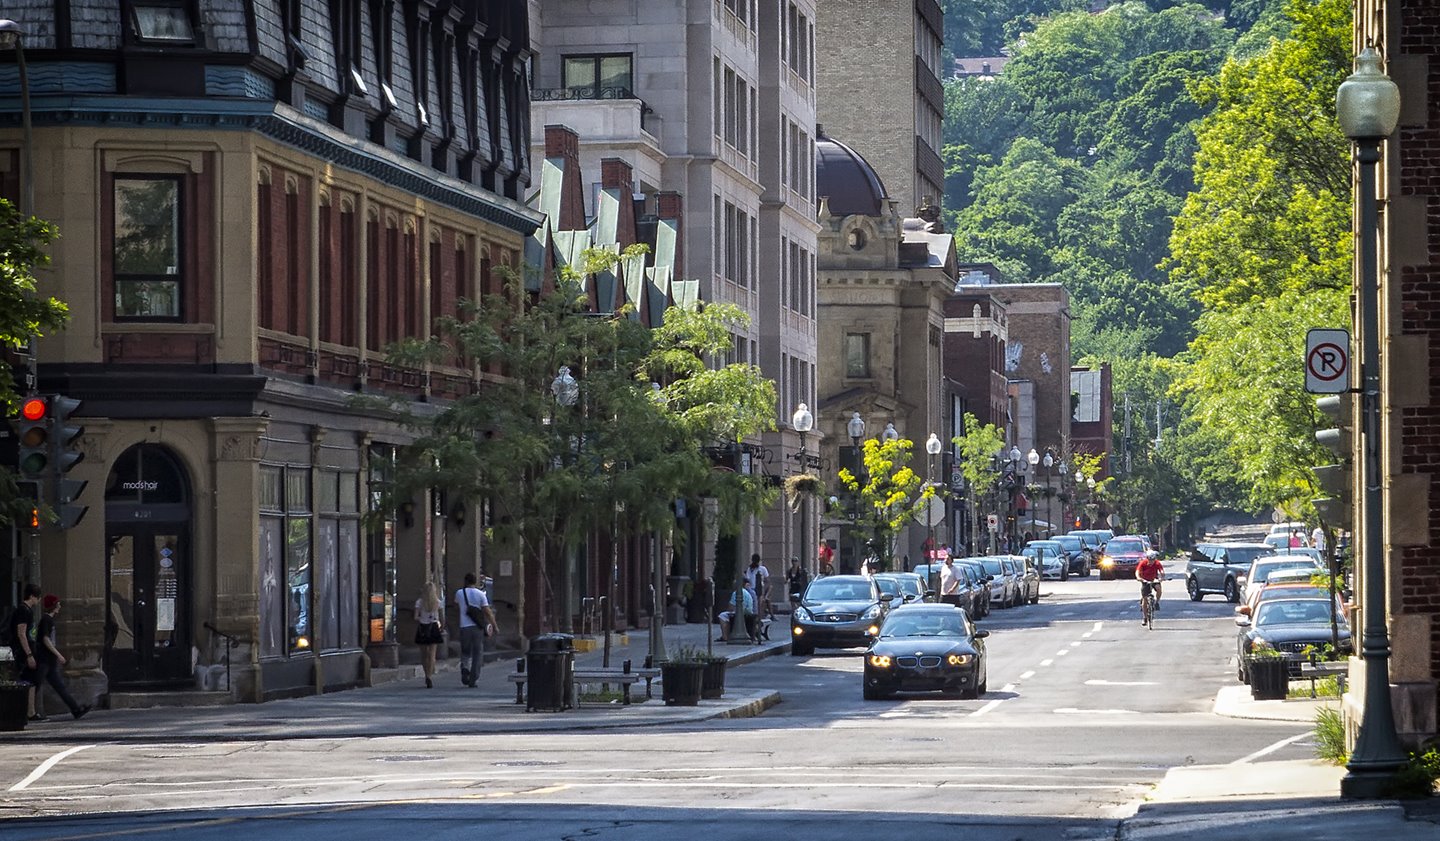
point(846, 178)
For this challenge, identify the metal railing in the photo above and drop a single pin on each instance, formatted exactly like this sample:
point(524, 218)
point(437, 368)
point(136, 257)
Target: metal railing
point(591, 92)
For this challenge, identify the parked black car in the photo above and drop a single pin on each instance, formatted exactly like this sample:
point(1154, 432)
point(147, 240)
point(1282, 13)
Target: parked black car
point(1078, 553)
point(904, 587)
point(979, 586)
point(926, 647)
point(837, 611)
point(1290, 627)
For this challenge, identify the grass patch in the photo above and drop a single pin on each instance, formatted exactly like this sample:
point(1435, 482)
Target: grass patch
point(1330, 736)
point(594, 696)
point(1325, 687)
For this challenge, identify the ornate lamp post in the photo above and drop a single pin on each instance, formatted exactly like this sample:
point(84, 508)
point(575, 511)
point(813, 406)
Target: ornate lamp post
point(802, 421)
point(1368, 107)
point(566, 391)
point(1017, 479)
point(932, 449)
point(1063, 471)
point(855, 428)
point(1032, 458)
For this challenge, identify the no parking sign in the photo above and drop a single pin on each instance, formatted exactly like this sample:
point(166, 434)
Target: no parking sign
point(1327, 361)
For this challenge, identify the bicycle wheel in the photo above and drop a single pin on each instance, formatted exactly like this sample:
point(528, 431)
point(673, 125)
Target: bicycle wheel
point(1147, 612)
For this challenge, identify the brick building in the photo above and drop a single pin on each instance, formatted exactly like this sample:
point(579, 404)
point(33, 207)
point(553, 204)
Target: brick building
point(256, 199)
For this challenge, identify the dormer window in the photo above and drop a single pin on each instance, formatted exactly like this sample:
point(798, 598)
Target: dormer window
point(165, 23)
point(856, 239)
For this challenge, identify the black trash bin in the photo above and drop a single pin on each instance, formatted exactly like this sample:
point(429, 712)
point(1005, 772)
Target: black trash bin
point(1269, 678)
point(550, 670)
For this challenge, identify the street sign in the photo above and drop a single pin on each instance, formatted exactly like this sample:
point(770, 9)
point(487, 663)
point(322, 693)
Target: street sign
point(993, 521)
point(932, 513)
point(1327, 361)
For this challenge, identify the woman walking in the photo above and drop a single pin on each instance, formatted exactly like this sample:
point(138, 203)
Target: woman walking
point(428, 630)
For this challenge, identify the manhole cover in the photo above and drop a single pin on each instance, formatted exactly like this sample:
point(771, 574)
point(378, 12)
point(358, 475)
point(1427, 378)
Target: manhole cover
point(405, 758)
point(524, 763)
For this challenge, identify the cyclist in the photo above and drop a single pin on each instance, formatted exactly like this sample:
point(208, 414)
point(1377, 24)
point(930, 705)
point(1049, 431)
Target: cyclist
point(1150, 573)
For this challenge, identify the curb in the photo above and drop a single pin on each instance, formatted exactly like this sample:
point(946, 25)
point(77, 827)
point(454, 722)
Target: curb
point(753, 708)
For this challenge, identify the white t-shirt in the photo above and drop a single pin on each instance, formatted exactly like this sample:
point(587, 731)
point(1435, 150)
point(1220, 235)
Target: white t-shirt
point(762, 573)
point(949, 580)
point(477, 599)
point(1317, 538)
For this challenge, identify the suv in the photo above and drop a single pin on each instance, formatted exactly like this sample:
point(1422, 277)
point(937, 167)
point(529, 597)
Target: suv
point(1217, 568)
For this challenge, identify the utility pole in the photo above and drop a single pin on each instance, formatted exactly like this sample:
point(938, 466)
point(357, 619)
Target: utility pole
point(1125, 439)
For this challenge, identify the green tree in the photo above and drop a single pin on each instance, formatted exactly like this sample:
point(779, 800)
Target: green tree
point(23, 313)
point(974, 451)
point(888, 495)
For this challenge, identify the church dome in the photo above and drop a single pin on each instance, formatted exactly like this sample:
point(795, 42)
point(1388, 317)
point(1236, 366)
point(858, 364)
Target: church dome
point(846, 178)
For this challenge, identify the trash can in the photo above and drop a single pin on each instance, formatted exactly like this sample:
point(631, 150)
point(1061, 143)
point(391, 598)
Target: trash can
point(550, 666)
point(1269, 678)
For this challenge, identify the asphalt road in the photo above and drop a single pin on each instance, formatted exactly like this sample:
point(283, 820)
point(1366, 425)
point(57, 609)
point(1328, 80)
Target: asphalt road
point(1086, 711)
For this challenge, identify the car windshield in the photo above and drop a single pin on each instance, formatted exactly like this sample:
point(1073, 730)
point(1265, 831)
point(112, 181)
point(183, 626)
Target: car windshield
point(926, 625)
point(1070, 542)
point(888, 586)
point(1120, 547)
point(1263, 571)
point(1293, 611)
point(829, 590)
point(1247, 554)
point(993, 566)
point(899, 584)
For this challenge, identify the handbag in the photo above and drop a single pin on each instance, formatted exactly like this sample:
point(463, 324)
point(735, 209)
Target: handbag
point(476, 614)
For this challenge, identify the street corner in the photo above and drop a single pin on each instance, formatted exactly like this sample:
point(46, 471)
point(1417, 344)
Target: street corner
point(1301, 778)
point(750, 704)
point(1236, 702)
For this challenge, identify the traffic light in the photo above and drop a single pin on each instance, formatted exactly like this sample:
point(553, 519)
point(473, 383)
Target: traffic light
point(33, 434)
point(64, 437)
point(29, 515)
point(1335, 479)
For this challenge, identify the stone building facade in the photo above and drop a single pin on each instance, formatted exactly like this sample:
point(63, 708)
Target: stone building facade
point(256, 199)
point(880, 91)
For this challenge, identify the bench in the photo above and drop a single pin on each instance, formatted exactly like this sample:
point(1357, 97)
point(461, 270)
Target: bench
point(625, 676)
point(1340, 669)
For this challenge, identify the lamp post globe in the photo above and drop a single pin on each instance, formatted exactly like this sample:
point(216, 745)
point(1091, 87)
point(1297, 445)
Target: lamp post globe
point(802, 420)
point(1015, 455)
point(890, 433)
point(1367, 106)
point(933, 445)
point(855, 428)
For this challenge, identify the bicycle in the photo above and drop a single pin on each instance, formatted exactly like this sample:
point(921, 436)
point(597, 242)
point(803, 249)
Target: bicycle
point(1147, 604)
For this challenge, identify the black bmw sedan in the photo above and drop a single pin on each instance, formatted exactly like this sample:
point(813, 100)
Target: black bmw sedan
point(926, 647)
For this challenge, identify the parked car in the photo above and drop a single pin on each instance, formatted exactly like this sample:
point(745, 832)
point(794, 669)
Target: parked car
point(1101, 536)
point(977, 584)
point(904, 587)
point(1080, 557)
point(1028, 570)
point(1278, 587)
point(1217, 567)
point(932, 587)
point(1003, 585)
point(1262, 567)
point(1047, 555)
point(1122, 555)
point(1290, 627)
point(926, 647)
point(837, 611)
point(1307, 551)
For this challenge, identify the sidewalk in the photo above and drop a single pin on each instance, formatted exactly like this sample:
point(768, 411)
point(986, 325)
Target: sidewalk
point(405, 707)
point(1293, 799)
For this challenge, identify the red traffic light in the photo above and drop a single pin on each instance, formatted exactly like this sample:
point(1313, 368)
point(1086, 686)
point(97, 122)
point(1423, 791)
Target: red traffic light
point(33, 409)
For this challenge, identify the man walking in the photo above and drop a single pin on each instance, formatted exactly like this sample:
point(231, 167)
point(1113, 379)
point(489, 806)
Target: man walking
point(476, 623)
point(23, 639)
point(949, 583)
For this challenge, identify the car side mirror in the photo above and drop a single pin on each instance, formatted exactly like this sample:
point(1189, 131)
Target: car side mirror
point(981, 634)
point(886, 597)
point(929, 592)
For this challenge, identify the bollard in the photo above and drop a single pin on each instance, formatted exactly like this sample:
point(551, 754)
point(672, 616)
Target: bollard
point(625, 667)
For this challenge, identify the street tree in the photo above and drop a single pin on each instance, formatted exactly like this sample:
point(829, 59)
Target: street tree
point(886, 497)
point(975, 451)
point(24, 314)
point(593, 422)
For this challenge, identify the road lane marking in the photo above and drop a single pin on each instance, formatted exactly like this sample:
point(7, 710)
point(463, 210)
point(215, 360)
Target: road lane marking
point(988, 707)
point(1121, 683)
point(46, 766)
point(1009, 687)
point(1028, 675)
point(1266, 751)
point(1098, 626)
point(1073, 711)
point(1062, 652)
point(1087, 635)
point(1047, 662)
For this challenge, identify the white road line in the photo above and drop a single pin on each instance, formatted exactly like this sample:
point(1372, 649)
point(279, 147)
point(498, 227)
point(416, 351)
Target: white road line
point(1047, 662)
point(1087, 635)
point(988, 707)
point(1075, 643)
point(46, 766)
point(1098, 626)
point(1009, 687)
point(1031, 674)
point(1266, 751)
point(1121, 683)
point(1062, 652)
point(1073, 710)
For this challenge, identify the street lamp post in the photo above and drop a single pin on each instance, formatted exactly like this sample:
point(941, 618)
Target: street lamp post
point(12, 34)
point(803, 421)
point(1368, 107)
point(566, 391)
point(1049, 462)
point(1032, 458)
point(855, 428)
point(932, 449)
point(1017, 479)
point(1063, 472)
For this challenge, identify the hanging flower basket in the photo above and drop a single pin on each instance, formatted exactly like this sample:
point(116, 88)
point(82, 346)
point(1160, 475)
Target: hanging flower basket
point(800, 485)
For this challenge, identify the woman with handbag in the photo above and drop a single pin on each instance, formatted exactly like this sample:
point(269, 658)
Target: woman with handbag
point(429, 633)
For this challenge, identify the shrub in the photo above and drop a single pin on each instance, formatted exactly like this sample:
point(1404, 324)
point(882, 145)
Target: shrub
point(1416, 778)
point(1330, 736)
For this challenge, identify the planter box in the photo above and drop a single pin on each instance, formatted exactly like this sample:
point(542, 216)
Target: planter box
point(14, 706)
point(713, 684)
point(1269, 678)
point(682, 683)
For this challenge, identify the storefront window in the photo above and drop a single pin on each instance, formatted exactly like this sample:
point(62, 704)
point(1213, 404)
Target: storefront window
point(337, 560)
point(286, 560)
point(381, 582)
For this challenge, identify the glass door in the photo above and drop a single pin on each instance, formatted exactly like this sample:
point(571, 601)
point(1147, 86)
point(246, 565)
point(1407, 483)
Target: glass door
point(147, 625)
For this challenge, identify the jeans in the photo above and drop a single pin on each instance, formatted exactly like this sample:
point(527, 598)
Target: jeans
point(472, 653)
point(49, 671)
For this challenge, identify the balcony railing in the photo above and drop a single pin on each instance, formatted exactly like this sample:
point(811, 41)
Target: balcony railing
point(583, 93)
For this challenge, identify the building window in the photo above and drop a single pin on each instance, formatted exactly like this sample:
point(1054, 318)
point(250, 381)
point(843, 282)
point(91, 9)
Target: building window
point(147, 248)
point(162, 22)
point(285, 537)
point(857, 354)
point(598, 76)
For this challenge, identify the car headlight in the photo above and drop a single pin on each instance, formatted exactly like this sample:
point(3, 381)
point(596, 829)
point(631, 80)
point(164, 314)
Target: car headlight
point(873, 612)
point(1107, 561)
point(873, 630)
point(1260, 645)
point(803, 614)
point(880, 661)
point(958, 659)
